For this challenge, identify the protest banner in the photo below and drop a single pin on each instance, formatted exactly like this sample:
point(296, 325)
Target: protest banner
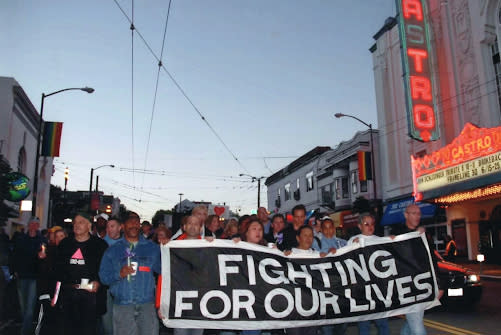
point(228, 285)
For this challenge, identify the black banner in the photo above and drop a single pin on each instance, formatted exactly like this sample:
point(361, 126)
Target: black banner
point(227, 285)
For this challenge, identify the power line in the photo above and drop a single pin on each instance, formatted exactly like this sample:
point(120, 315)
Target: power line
point(132, 28)
point(156, 91)
point(195, 108)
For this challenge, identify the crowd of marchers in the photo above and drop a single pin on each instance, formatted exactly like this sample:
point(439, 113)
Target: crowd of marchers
point(101, 277)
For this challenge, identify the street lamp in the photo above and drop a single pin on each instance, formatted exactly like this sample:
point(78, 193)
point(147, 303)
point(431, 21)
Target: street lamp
point(340, 115)
point(90, 185)
point(179, 209)
point(258, 186)
point(37, 156)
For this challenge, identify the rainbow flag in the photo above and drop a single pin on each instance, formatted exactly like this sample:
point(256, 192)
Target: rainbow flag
point(51, 138)
point(364, 166)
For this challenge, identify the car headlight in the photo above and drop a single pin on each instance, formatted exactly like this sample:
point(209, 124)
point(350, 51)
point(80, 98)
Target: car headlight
point(473, 278)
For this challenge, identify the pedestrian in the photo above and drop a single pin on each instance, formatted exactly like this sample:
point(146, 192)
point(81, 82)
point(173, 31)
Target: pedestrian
point(451, 249)
point(328, 242)
point(262, 214)
point(191, 231)
point(211, 226)
point(366, 224)
point(77, 265)
point(276, 234)
point(162, 235)
point(100, 224)
point(146, 230)
point(414, 324)
point(305, 240)
point(25, 269)
point(290, 233)
point(128, 268)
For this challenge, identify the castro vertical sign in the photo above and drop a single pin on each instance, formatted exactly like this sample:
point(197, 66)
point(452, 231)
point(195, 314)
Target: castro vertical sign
point(416, 66)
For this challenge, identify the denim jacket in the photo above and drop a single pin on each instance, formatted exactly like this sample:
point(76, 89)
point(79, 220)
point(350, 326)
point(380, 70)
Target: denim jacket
point(138, 288)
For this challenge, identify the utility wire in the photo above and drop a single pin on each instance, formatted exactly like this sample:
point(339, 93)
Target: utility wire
point(156, 91)
point(195, 108)
point(132, 28)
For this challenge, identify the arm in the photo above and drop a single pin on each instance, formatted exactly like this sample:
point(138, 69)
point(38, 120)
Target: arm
point(109, 273)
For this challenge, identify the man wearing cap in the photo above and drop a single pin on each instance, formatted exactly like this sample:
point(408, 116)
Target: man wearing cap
point(128, 268)
point(329, 243)
point(100, 225)
point(25, 269)
point(77, 266)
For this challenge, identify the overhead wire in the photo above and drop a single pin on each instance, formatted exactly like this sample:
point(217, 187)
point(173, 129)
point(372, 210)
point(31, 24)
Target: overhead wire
point(156, 91)
point(132, 28)
point(183, 92)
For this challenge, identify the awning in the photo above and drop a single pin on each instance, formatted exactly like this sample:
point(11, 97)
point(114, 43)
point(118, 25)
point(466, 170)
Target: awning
point(394, 212)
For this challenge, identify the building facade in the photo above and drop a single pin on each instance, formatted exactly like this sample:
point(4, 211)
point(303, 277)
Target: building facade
point(463, 42)
point(326, 180)
point(19, 122)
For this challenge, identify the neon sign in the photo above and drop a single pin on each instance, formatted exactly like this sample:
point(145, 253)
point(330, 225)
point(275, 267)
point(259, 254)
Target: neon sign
point(416, 65)
point(475, 153)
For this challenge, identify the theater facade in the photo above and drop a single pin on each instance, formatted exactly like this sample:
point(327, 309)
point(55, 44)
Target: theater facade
point(437, 73)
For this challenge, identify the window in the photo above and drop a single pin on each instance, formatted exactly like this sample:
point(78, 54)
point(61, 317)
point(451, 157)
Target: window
point(309, 181)
point(297, 184)
point(21, 160)
point(354, 181)
point(287, 195)
point(497, 68)
point(344, 187)
point(338, 188)
point(326, 192)
point(363, 186)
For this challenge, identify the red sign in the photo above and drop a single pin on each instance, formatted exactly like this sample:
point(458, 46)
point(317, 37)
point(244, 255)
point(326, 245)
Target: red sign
point(414, 37)
point(471, 144)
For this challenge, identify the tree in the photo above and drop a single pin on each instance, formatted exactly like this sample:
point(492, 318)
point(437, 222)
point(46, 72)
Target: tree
point(159, 216)
point(361, 205)
point(5, 211)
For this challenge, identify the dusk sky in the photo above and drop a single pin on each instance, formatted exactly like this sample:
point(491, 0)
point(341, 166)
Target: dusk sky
point(267, 75)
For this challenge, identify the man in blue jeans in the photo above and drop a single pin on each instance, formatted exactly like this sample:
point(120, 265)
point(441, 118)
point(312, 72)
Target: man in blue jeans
point(414, 324)
point(127, 268)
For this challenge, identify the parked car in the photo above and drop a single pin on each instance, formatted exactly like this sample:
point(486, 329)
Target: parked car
point(461, 285)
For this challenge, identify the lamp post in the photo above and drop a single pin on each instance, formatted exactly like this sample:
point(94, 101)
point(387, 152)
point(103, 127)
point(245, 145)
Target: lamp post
point(340, 115)
point(37, 156)
point(258, 186)
point(90, 186)
point(179, 209)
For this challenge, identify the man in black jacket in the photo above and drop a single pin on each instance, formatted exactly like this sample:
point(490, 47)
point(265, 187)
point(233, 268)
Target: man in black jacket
point(25, 269)
point(414, 321)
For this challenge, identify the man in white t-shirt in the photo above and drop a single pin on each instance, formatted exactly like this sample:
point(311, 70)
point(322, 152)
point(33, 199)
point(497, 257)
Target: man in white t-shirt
point(366, 223)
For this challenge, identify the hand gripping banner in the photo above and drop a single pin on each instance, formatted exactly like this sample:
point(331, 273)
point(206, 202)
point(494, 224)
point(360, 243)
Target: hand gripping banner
point(228, 285)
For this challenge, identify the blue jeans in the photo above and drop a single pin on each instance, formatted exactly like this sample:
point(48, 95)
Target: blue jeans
point(414, 324)
point(135, 319)
point(27, 292)
point(337, 329)
point(364, 327)
point(106, 325)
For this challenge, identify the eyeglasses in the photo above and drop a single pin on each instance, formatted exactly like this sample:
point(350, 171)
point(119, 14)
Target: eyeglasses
point(368, 223)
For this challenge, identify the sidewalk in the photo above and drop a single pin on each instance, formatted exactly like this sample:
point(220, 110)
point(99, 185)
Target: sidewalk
point(487, 271)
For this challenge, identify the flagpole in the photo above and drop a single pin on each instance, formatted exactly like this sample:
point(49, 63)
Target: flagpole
point(37, 155)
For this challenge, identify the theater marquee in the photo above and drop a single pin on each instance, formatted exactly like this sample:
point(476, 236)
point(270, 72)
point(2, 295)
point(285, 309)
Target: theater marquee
point(472, 160)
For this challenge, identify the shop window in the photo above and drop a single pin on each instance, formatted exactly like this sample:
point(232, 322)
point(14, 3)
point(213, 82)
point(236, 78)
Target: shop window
point(363, 186)
point(21, 161)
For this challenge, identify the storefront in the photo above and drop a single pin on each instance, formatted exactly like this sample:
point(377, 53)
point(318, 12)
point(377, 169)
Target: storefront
point(465, 178)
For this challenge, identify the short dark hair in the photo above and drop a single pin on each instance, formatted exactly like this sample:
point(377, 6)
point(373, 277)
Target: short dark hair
point(276, 216)
point(116, 218)
point(303, 228)
point(298, 207)
point(130, 214)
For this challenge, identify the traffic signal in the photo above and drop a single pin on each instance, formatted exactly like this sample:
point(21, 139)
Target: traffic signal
point(66, 173)
point(108, 209)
